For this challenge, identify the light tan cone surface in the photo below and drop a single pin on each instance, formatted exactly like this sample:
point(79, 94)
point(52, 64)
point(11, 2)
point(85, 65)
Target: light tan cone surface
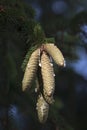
point(47, 75)
point(55, 53)
point(42, 109)
point(49, 99)
point(31, 70)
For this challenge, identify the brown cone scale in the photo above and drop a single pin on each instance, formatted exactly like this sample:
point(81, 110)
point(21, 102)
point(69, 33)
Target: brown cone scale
point(49, 99)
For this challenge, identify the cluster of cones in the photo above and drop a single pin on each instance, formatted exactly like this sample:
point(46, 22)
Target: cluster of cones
point(42, 57)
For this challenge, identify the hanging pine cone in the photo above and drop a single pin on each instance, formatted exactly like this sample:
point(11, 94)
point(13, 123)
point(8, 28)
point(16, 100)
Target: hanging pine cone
point(55, 53)
point(42, 109)
point(31, 70)
point(47, 75)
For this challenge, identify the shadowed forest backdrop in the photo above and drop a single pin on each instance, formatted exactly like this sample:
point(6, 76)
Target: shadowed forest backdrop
point(66, 22)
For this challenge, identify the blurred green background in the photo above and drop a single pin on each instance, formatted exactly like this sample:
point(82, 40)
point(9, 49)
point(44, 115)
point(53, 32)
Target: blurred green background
point(66, 21)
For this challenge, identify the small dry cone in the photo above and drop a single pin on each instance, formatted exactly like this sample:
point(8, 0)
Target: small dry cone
point(47, 75)
point(31, 70)
point(55, 53)
point(42, 109)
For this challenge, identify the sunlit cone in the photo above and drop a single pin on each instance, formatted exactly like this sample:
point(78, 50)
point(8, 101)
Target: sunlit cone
point(31, 69)
point(42, 109)
point(47, 75)
point(55, 53)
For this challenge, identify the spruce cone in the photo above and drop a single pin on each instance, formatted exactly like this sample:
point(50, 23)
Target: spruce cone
point(31, 70)
point(42, 109)
point(47, 75)
point(55, 53)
